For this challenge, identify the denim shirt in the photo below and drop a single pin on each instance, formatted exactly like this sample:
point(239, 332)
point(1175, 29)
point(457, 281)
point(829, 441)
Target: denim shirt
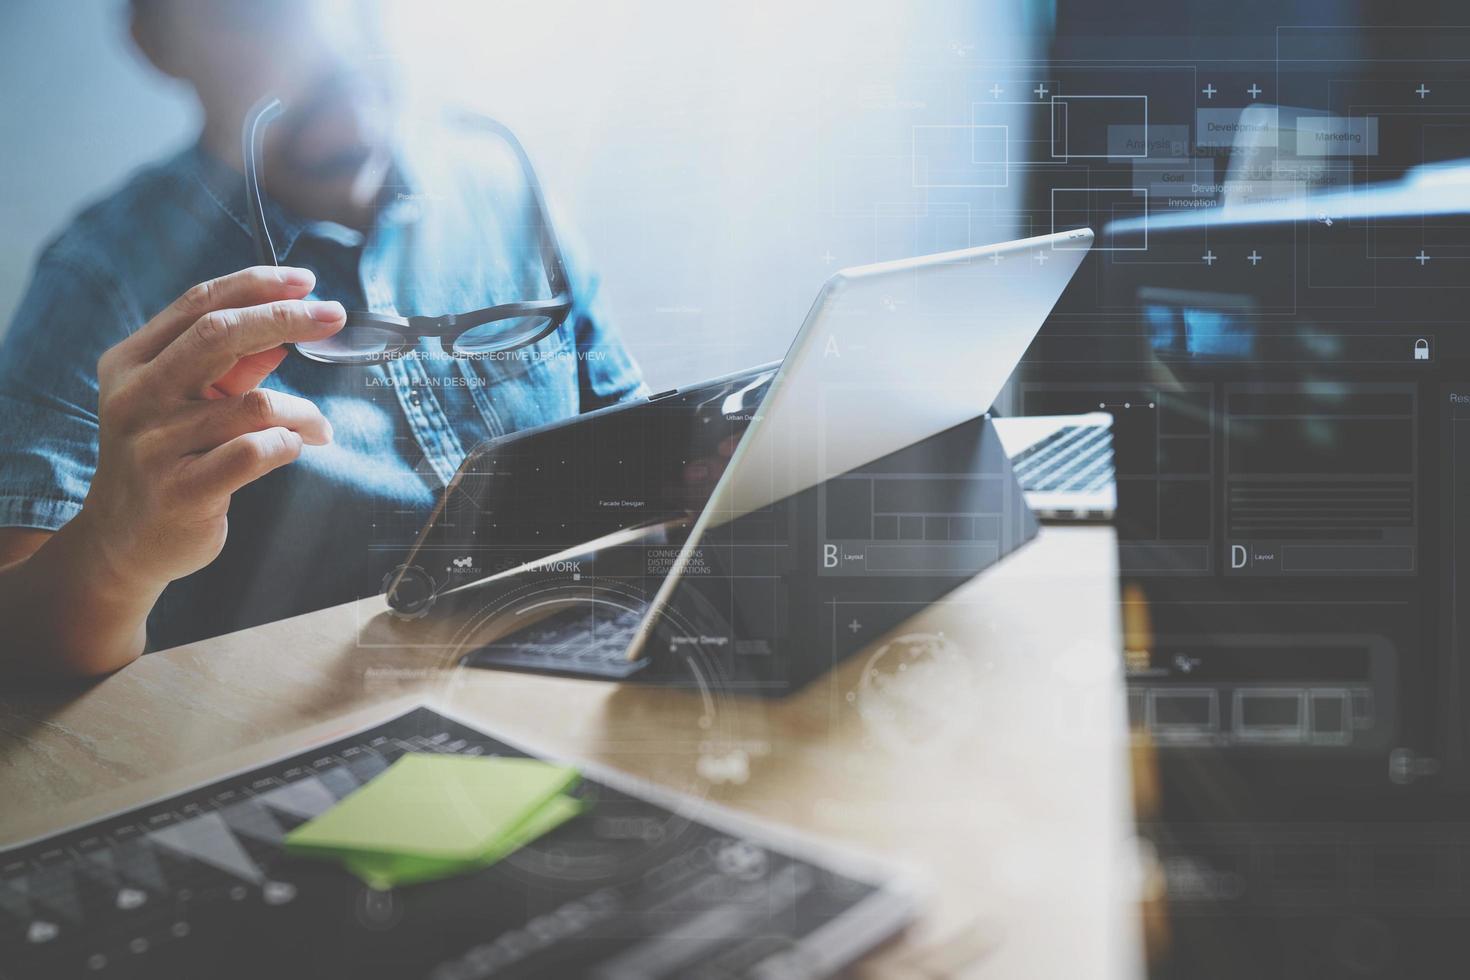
point(328, 527)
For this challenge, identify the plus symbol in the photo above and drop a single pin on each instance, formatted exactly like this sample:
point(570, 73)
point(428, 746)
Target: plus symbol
point(1254, 90)
point(1209, 90)
point(1255, 259)
point(995, 90)
point(1209, 258)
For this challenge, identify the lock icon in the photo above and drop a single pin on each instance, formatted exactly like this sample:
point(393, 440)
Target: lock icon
point(1421, 349)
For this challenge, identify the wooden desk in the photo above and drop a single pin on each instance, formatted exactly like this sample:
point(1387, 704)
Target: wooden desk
point(1003, 774)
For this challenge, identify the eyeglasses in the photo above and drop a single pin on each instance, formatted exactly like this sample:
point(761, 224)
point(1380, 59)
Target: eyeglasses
point(370, 337)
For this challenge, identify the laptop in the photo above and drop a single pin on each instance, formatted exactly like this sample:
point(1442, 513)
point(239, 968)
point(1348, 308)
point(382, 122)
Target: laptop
point(1064, 464)
point(863, 467)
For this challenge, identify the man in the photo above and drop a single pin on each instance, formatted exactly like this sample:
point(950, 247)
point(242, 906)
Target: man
point(168, 470)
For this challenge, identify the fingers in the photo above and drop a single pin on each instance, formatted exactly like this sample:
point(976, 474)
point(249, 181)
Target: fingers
point(216, 342)
point(248, 287)
point(214, 423)
point(249, 373)
point(242, 460)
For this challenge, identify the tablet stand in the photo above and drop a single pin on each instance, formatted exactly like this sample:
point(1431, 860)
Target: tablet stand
point(800, 586)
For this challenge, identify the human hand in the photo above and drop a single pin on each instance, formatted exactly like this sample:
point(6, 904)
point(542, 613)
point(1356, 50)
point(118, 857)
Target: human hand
point(183, 424)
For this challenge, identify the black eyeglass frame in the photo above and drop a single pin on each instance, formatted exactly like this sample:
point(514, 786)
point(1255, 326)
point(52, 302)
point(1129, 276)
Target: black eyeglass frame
point(448, 327)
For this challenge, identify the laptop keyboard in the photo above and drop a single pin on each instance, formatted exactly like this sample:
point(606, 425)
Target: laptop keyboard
point(1073, 459)
point(588, 639)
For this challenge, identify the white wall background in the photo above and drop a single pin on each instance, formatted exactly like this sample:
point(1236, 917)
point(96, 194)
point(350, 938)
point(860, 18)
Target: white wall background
point(78, 110)
point(719, 159)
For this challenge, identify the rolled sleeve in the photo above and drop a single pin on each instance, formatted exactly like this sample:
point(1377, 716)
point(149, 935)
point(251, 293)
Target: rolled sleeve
point(607, 372)
point(48, 391)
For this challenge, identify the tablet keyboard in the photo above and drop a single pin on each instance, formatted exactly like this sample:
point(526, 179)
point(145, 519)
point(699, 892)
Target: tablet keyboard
point(589, 639)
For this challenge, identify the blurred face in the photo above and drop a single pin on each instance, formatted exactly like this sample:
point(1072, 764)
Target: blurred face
point(324, 59)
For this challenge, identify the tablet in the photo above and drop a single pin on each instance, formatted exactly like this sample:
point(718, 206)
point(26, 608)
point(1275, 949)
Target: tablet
point(645, 883)
point(862, 471)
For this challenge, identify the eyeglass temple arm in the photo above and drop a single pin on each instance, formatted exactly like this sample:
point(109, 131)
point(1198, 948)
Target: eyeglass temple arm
point(557, 273)
point(253, 140)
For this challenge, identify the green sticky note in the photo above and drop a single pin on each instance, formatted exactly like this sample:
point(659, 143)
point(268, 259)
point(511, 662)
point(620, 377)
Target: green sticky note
point(437, 807)
point(388, 871)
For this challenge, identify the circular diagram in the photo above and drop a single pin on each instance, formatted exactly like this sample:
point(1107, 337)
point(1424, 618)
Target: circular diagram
point(912, 692)
point(698, 746)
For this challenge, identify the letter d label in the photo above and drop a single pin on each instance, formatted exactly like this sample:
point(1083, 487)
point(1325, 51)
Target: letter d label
point(1237, 556)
